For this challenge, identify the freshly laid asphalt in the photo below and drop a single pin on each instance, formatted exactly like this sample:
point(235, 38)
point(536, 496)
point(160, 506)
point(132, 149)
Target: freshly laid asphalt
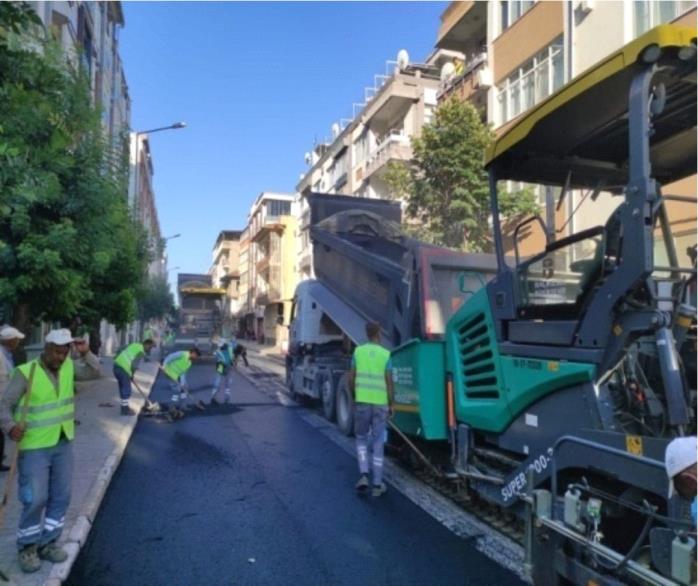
point(249, 493)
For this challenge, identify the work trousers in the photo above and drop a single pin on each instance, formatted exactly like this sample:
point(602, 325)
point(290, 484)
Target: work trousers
point(369, 428)
point(124, 380)
point(45, 477)
point(222, 380)
point(178, 392)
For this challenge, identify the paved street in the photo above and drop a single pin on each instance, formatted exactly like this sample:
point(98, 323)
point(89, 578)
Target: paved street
point(250, 493)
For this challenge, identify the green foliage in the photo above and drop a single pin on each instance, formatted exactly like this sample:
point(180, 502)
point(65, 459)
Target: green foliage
point(155, 300)
point(445, 184)
point(68, 245)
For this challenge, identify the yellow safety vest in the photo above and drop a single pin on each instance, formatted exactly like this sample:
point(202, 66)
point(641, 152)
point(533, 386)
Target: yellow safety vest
point(178, 366)
point(371, 362)
point(126, 357)
point(50, 410)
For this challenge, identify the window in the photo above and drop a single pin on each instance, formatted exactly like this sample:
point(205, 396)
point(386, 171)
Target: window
point(360, 147)
point(532, 82)
point(512, 10)
point(651, 13)
point(278, 208)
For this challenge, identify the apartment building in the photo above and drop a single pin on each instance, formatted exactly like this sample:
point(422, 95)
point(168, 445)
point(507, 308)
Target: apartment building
point(396, 106)
point(141, 197)
point(267, 268)
point(519, 52)
point(355, 159)
point(225, 275)
point(245, 307)
point(89, 32)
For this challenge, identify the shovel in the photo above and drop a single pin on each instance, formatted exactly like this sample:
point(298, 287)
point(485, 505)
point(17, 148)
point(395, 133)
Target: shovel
point(149, 405)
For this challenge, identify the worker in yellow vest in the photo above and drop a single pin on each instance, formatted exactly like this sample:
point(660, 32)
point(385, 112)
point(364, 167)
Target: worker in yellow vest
point(175, 367)
point(125, 364)
point(371, 381)
point(41, 418)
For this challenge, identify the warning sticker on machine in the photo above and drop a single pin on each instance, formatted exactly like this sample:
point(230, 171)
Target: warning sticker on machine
point(633, 445)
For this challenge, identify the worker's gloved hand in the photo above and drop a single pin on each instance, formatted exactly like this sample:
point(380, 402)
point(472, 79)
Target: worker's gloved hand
point(17, 432)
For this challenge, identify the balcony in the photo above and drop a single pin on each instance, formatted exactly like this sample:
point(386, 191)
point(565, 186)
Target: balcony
point(475, 77)
point(395, 146)
point(461, 22)
point(269, 295)
point(261, 229)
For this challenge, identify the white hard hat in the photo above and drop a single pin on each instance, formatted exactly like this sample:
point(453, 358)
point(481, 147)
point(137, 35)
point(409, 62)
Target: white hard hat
point(680, 454)
point(10, 333)
point(59, 337)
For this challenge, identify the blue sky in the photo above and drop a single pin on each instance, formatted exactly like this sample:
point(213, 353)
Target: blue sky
point(256, 83)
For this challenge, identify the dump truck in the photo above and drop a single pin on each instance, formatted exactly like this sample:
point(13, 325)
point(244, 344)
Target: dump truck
point(553, 389)
point(367, 269)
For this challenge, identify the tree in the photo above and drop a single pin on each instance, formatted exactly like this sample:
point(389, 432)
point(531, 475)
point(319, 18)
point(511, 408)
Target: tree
point(445, 184)
point(68, 246)
point(156, 300)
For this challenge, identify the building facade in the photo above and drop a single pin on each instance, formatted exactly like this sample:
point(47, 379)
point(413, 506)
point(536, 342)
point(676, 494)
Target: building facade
point(225, 275)
point(519, 52)
point(89, 32)
point(354, 161)
point(267, 268)
point(142, 200)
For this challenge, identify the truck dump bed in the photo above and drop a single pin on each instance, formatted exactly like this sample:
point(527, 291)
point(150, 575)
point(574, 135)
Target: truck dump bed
point(408, 287)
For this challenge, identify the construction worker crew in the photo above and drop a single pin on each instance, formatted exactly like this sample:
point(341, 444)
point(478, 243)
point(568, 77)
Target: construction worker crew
point(125, 364)
point(9, 340)
point(41, 418)
point(371, 382)
point(224, 371)
point(175, 367)
point(681, 468)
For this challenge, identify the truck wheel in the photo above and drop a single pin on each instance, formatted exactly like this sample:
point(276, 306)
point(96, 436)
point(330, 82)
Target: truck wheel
point(345, 407)
point(327, 395)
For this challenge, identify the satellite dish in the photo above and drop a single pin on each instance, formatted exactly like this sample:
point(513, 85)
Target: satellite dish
point(335, 130)
point(403, 59)
point(448, 71)
point(308, 158)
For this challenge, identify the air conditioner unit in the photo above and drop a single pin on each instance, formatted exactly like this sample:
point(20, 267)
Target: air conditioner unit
point(485, 78)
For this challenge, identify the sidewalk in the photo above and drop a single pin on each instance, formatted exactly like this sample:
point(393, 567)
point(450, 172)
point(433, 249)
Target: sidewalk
point(266, 357)
point(100, 441)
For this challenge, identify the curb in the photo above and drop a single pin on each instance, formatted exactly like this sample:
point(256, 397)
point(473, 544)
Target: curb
point(79, 530)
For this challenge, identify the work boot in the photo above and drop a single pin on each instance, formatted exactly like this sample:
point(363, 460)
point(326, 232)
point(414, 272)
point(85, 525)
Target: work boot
point(214, 401)
point(362, 484)
point(53, 553)
point(379, 489)
point(29, 559)
point(227, 397)
point(126, 410)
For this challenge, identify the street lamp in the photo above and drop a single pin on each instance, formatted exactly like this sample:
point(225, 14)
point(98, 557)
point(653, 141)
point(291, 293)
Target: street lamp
point(174, 126)
point(173, 269)
point(171, 237)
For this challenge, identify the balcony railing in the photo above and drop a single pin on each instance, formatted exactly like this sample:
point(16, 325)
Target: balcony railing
point(270, 295)
point(393, 146)
point(464, 84)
